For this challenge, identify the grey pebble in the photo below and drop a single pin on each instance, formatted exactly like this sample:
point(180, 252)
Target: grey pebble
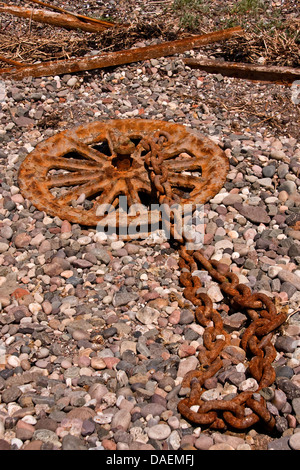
point(294, 441)
point(11, 394)
point(70, 442)
point(123, 298)
point(280, 444)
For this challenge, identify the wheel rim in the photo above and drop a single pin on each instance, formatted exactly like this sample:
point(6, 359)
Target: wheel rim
point(77, 173)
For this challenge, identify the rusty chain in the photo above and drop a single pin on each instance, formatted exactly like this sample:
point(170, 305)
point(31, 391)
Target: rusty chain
point(246, 408)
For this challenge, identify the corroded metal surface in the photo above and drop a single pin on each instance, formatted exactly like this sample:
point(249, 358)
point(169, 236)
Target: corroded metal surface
point(249, 407)
point(112, 59)
point(256, 342)
point(76, 172)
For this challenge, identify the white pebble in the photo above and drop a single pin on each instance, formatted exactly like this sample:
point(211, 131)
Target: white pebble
point(248, 384)
point(84, 240)
point(47, 220)
point(159, 431)
point(117, 245)
point(233, 234)
point(34, 307)
point(240, 367)
point(13, 361)
point(72, 81)
point(212, 394)
point(17, 442)
point(29, 420)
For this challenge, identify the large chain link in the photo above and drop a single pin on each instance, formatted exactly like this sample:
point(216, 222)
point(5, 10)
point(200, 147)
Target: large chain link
point(248, 407)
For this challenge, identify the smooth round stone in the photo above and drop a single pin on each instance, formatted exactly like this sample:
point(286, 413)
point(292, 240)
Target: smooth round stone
point(294, 441)
point(97, 391)
point(13, 361)
point(72, 372)
point(97, 363)
point(154, 409)
point(42, 363)
point(70, 442)
point(46, 435)
point(66, 363)
point(204, 442)
point(159, 431)
point(6, 232)
point(11, 394)
point(174, 440)
point(117, 245)
point(221, 446)
point(42, 353)
point(174, 422)
point(3, 247)
point(80, 335)
point(283, 196)
point(284, 371)
point(122, 418)
point(269, 170)
point(84, 361)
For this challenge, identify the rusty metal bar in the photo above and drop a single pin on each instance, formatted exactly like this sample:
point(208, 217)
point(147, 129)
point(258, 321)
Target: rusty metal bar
point(76, 15)
point(11, 61)
point(55, 19)
point(246, 71)
point(111, 59)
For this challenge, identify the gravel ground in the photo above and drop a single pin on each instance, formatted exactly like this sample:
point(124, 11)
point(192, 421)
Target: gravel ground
point(94, 341)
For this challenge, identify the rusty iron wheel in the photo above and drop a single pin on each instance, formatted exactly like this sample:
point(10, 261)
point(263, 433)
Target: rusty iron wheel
point(74, 173)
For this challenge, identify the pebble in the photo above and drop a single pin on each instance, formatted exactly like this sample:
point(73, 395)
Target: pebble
point(159, 432)
point(121, 419)
point(254, 214)
point(290, 277)
point(204, 442)
point(294, 441)
point(221, 446)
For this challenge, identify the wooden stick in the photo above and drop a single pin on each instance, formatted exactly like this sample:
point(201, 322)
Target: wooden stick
point(246, 71)
point(112, 59)
point(56, 19)
point(81, 17)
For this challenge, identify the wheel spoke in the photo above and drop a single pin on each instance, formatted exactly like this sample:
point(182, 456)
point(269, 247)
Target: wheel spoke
point(88, 189)
point(185, 182)
point(111, 192)
point(144, 182)
point(92, 154)
point(71, 179)
point(133, 194)
point(184, 164)
point(177, 147)
point(71, 164)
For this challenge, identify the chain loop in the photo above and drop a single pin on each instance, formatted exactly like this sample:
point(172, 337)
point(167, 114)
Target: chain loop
point(246, 408)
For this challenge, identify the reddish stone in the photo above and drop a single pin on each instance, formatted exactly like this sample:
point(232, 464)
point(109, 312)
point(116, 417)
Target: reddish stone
point(33, 445)
point(109, 445)
point(111, 362)
point(19, 292)
point(186, 350)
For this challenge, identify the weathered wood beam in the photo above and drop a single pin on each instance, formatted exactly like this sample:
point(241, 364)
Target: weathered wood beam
point(112, 59)
point(246, 71)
